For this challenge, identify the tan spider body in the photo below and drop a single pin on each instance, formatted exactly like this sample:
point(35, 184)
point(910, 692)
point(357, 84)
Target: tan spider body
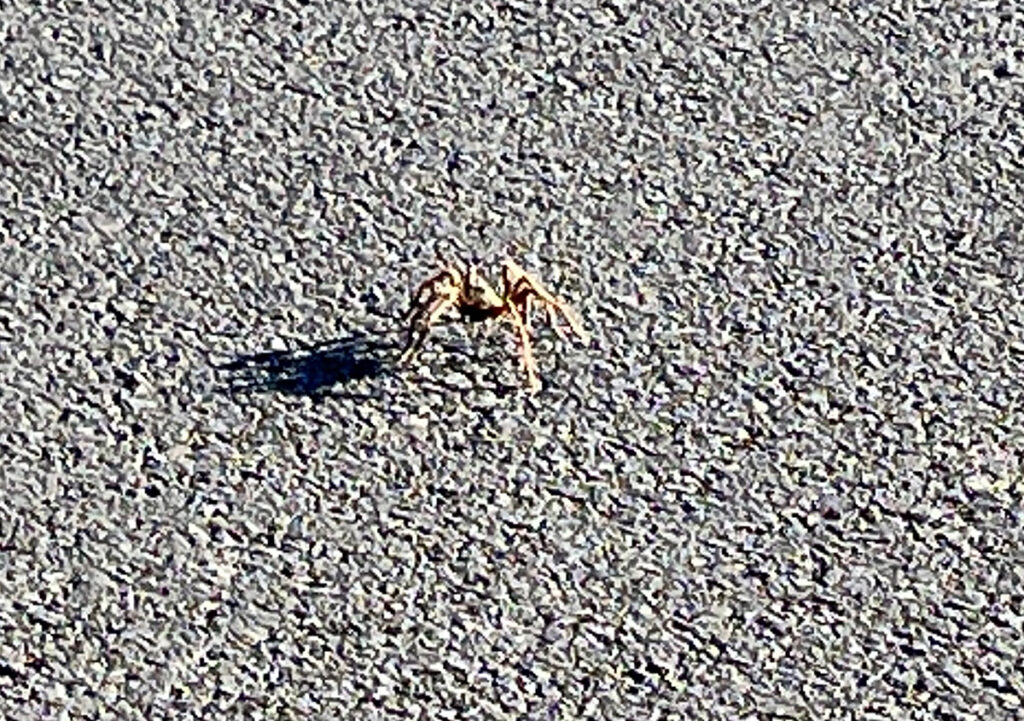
point(476, 301)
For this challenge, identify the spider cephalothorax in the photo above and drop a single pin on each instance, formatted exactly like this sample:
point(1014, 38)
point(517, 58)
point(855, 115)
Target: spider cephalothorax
point(475, 300)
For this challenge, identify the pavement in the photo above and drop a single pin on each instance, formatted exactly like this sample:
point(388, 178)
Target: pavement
point(781, 480)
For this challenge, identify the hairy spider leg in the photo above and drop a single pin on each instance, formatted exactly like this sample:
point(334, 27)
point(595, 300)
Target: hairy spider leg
point(525, 347)
point(521, 288)
point(420, 328)
point(425, 311)
point(512, 276)
point(418, 300)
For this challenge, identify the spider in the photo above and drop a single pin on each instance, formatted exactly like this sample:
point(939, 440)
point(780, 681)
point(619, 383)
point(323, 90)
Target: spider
point(477, 301)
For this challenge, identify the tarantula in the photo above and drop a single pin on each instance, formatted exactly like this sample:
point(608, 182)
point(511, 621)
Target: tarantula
point(476, 301)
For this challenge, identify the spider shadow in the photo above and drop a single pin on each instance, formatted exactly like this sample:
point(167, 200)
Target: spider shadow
point(313, 371)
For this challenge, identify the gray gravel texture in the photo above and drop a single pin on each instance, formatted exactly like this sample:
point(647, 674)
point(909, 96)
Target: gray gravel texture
point(782, 481)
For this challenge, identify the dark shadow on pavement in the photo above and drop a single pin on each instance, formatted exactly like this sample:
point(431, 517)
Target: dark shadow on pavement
point(316, 370)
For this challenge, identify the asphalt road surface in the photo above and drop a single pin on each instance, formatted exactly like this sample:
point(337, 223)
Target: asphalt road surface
point(782, 479)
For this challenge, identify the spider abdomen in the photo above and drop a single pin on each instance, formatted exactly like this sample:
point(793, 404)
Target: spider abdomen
point(476, 313)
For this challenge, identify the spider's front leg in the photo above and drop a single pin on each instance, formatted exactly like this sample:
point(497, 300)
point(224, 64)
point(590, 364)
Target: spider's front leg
point(432, 299)
point(522, 290)
point(427, 290)
point(511, 276)
point(525, 347)
point(419, 329)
